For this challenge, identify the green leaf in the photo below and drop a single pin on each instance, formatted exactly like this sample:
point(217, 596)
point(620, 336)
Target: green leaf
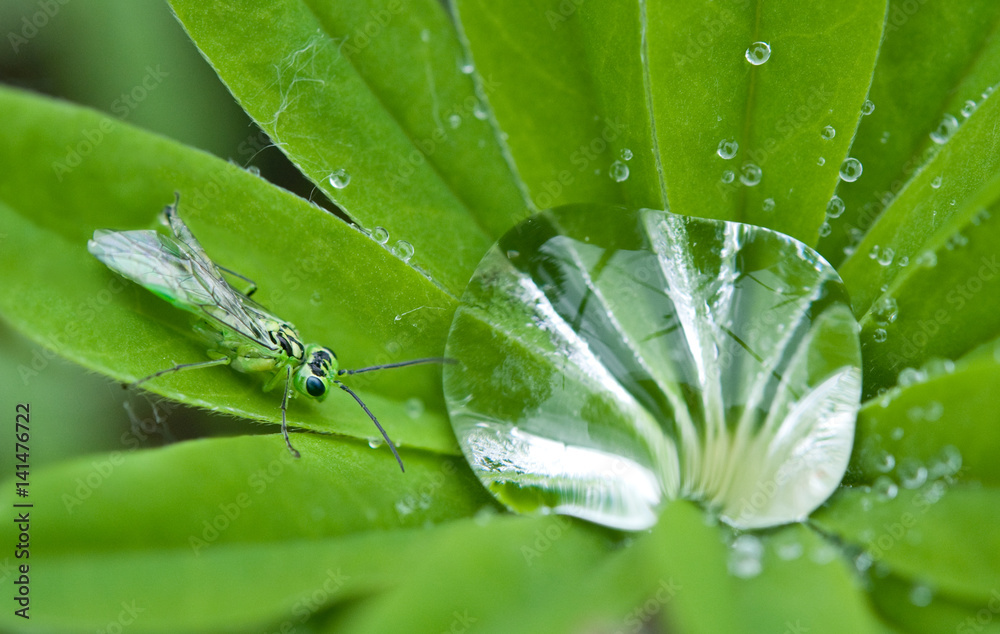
point(946, 423)
point(936, 56)
point(941, 302)
point(905, 603)
point(571, 106)
point(312, 269)
point(936, 535)
point(371, 88)
point(669, 82)
point(209, 509)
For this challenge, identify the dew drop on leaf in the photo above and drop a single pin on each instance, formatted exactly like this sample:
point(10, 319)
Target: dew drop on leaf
point(750, 174)
point(727, 148)
point(867, 107)
point(945, 129)
point(758, 53)
point(828, 132)
point(884, 488)
point(850, 170)
point(340, 179)
point(403, 250)
point(618, 172)
point(835, 208)
point(626, 358)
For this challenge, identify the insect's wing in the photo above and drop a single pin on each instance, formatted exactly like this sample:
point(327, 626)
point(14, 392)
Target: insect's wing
point(167, 268)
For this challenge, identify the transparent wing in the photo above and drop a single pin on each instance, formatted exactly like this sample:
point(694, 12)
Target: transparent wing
point(182, 274)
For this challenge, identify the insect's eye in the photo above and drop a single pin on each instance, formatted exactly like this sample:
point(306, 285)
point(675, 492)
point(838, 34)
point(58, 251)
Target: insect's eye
point(315, 387)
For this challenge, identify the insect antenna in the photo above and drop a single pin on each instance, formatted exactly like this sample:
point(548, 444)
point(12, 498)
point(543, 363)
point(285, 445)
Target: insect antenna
point(374, 420)
point(183, 366)
point(401, 364)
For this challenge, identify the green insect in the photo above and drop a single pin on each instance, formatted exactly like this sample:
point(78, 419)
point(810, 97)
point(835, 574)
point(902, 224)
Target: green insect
point(240, 332)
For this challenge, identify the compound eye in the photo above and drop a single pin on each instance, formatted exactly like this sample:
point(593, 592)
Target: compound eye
point(315, 387)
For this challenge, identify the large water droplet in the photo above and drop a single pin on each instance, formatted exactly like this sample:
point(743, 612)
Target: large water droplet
point(850, 170)
point(758, 53)
point(340, 179)
point(727, 148)
point(628, 357)
point(618, 172)
point(945, 129)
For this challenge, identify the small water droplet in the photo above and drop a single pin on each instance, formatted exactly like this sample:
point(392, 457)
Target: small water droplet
point(381, 235)
point(626, 154)
point(897, 433)
point(825, 229)
point(933, 411)
point(821, 161)
point(455, 120)
point(468, 69)
point(253, 169)
point(880, 335)
point(745, 558)
point(912, 473)
point(728, 176)
point(403, 250)
point(936, 183)
point(727, 148)
point(885, 138)
point(316, 299)
point(828, 132)
point(884, 488)
point(927, 259)
point(425, 35)
point(921, 595)
point(375, 443)
point(886, 310)
point(885, 256)
point(789, 550)
point(768, 204)
point(758, 53)
point(948, 462)
point(340, 179)
point(945, 129)
point(479, 112)
point(969, 107)
point(835, 208)
point(867, 107)
point(414, 407)
point(850, 170)
point(884, 462)
point(750, 174)
point(618, 172)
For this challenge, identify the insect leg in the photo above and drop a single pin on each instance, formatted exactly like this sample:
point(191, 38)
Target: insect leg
point(284, 408)
point(184, 366)
point(401, 364)
point(374, 420)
